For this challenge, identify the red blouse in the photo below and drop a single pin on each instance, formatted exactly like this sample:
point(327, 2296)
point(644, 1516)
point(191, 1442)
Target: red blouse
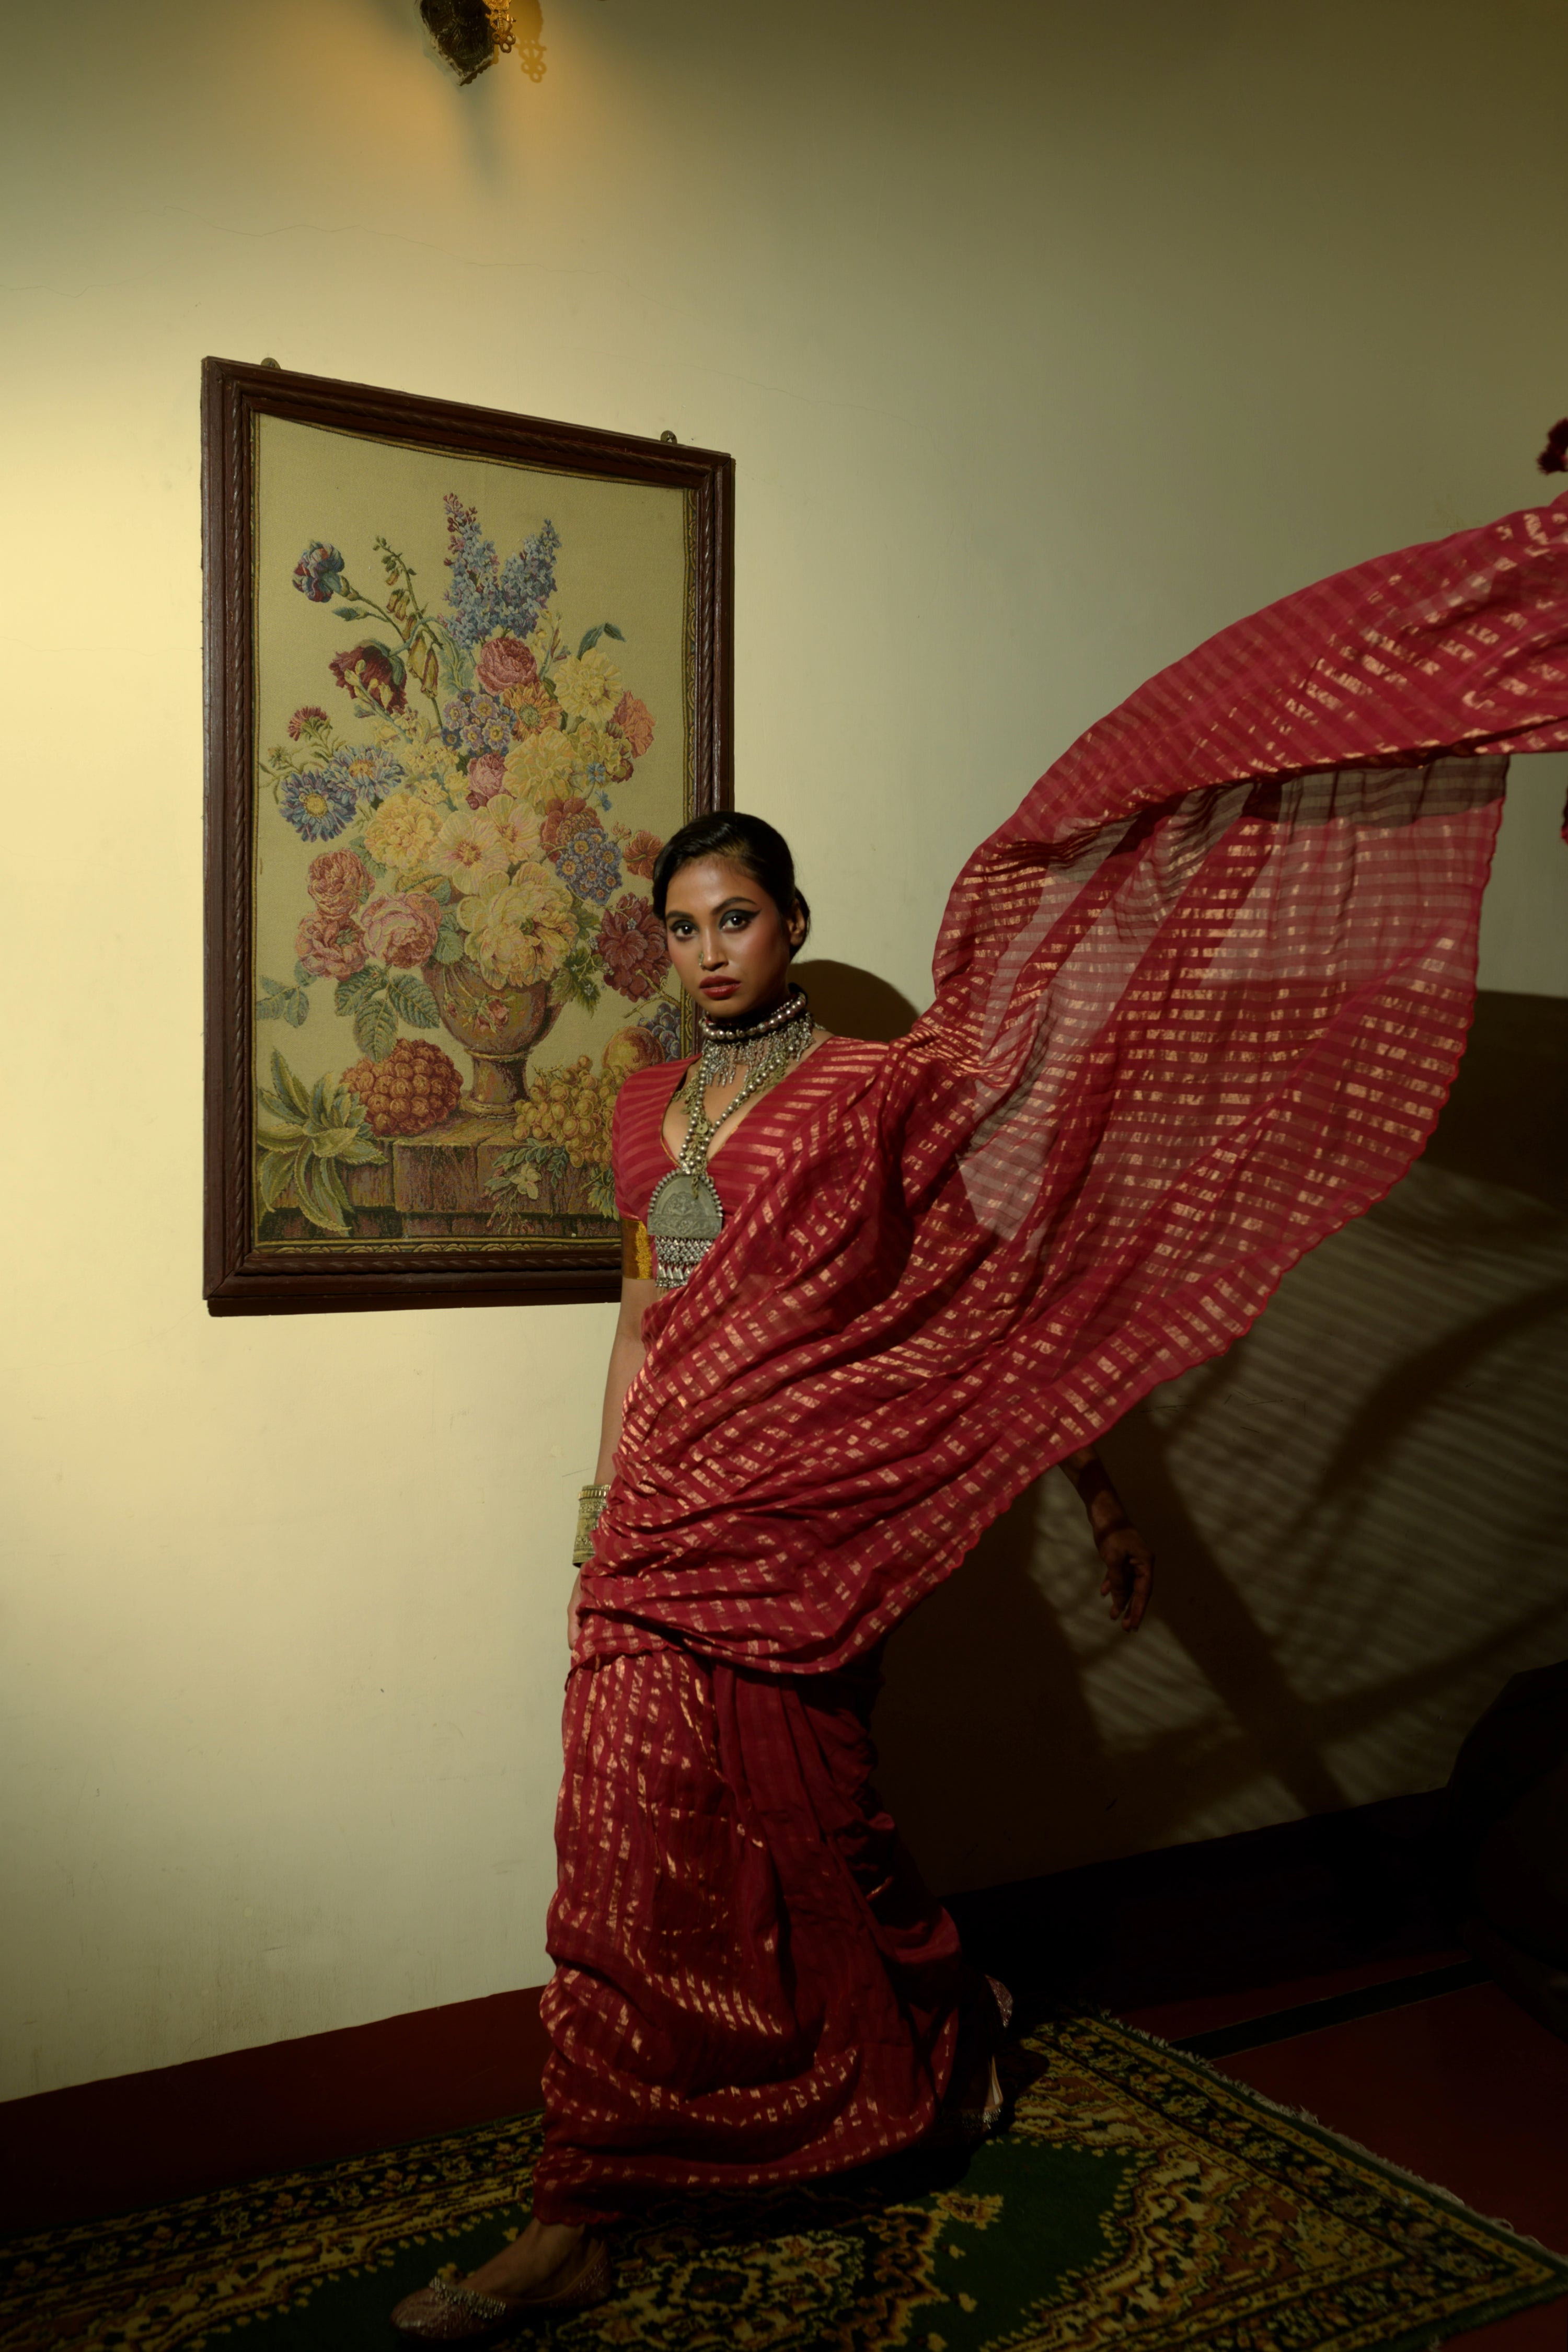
point(743, 1157)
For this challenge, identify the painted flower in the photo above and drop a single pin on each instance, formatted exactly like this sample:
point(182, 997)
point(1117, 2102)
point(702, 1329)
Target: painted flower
point(476, 723)
point(368, 769)
point(562, 820)
point(633, 719)
point(317, 804)
point(493, 1016)
point(591, 866)
point(532, 706)
point(632, 948)
point(539, 767)
point(641, 850)
point(587, 686)
point(579, 849)
point(374, 671)
point(487, 777)
point(663, 1025)
point(318, 574)
point(402, 834)
point(328, 945)
point(431, 773)
point(519, 931)
point(517, 827)
point(505, 661)
point(486, 596)
point(598, 759)
point(399, 927)
point(337, 881)
point(469, 849)
point(308, 720)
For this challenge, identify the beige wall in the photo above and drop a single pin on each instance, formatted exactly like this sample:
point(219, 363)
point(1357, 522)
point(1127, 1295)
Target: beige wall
point(1048, 338)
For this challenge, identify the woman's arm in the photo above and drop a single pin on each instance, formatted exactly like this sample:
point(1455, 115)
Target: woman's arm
point(1129, 1563)
point(626, 1361)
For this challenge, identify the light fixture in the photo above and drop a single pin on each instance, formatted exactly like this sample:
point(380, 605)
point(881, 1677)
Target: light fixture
point(471, 34)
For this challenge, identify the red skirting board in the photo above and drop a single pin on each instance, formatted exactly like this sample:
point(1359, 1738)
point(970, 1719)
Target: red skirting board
point(142, 2139)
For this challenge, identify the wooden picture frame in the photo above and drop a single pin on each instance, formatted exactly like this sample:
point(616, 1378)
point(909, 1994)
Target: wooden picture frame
point(510, 655)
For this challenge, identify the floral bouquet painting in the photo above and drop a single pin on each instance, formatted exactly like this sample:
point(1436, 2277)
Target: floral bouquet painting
point(461, 787)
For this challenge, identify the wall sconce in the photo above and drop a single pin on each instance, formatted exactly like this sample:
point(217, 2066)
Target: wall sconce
point(471, 34)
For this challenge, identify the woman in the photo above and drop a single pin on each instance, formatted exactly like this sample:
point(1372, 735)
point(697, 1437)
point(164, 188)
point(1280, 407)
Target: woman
point(833, 2016)
point(1197, 1004)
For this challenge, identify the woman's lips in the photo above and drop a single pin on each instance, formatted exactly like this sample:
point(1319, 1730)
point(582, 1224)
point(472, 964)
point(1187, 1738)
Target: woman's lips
point(718, 987)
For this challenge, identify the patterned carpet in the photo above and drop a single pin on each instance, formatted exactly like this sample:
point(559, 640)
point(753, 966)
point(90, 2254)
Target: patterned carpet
point(1137, 2200)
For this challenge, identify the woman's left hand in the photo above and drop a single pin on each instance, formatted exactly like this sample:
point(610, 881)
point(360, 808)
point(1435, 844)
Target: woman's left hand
point(1129, 1573)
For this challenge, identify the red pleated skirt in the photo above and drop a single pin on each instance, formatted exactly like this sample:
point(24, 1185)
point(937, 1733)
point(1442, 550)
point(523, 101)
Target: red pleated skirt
point(751, 1982)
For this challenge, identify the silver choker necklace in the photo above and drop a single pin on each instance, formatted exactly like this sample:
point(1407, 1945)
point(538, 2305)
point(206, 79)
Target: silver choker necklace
point(686, 1216)
point(731, 1046)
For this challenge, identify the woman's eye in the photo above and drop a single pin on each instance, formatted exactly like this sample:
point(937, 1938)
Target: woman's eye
point(736, 920)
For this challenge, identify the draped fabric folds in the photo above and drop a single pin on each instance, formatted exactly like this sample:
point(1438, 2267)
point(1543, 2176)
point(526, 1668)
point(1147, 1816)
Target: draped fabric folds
point(751, 1982)
point(1198, 1003)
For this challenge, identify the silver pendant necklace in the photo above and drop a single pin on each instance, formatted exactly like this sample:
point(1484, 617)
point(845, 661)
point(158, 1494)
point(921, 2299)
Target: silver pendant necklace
point(686, 1216)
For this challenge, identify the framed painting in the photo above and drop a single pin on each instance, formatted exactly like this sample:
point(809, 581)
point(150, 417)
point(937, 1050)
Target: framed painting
point(466, 671)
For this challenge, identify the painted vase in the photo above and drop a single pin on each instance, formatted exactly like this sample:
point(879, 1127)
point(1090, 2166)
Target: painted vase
point(499, 1027)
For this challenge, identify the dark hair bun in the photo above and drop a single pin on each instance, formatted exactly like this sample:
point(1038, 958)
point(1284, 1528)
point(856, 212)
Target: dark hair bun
point(748, 842)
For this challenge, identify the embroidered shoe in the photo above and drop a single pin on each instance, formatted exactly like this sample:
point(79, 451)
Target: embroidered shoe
point(444, 2312)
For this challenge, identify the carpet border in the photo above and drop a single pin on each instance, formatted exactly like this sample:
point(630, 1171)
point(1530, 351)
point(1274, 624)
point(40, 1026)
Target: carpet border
point(1209, 2081)
point(1303, 2116)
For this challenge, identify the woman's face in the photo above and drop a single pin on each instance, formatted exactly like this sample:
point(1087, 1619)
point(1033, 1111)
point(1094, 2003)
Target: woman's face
point(728, 943)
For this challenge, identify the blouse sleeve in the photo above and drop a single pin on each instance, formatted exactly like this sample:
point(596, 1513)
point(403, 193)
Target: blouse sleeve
point(637, 1254)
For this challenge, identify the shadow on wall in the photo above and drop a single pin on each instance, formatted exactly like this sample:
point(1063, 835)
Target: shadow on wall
point(854, 1004)
point(1359, 1513)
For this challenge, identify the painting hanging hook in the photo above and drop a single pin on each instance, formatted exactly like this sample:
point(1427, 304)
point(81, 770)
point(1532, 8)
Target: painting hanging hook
point(471, 34)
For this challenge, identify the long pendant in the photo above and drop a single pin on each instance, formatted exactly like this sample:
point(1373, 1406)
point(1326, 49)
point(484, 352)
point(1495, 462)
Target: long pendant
point(685, 1214)
point(685, 1218)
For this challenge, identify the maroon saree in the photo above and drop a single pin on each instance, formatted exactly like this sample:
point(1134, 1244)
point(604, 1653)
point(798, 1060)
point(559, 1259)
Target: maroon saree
point(1198, 1004)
